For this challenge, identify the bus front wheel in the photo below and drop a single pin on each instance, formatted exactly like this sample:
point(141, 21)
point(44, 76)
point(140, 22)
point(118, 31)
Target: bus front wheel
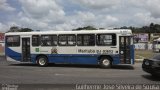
point(105, 62)
point(42, 61)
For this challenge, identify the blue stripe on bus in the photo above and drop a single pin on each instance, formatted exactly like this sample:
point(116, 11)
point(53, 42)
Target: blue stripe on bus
point(71, 58)
point(64, 58)
point(76, 58)
point(12, 54)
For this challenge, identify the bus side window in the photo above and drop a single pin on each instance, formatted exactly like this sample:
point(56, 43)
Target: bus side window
point(35, 40)
point(54, 40)
point(13, 40)
point(79, 40)
point(71, 40)
point(86, 40)
point(62, 40)
point(106, 39)
point(67, 40)
point(46, 40)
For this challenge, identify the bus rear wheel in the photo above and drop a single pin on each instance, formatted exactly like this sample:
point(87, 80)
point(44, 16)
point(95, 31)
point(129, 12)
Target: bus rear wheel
point(42, 61)
point(105, 62)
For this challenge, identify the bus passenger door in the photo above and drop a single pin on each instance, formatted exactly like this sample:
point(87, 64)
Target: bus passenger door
point(26, 50)
point(124, 49)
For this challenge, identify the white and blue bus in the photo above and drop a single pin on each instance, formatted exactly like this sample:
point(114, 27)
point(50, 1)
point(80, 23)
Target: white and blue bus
point(99, 47)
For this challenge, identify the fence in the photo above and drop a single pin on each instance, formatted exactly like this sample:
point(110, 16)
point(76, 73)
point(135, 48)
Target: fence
point(143, 46)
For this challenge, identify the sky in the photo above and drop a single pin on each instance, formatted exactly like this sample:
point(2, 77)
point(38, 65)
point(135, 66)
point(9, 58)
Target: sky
point(70, 14)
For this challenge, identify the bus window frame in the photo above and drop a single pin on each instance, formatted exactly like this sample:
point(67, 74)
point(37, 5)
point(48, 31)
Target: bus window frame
point(97, 41)
point(66, 35)
point(13, 45)
point(82, 43)
point(51, 41)
point(37, 41)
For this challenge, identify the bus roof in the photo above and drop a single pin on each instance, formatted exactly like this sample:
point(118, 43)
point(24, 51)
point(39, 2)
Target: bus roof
point(117, 31)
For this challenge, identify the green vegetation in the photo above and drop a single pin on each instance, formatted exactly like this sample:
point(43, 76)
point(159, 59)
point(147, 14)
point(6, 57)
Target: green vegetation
point(1, 54)
point(18, 29)
point(141, 54)
point(85, 28)
point(152, 28)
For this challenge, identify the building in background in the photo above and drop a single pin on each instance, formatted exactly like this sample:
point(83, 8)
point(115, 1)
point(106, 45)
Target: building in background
point(141, 38)
point(2, 43)
point(142, 42)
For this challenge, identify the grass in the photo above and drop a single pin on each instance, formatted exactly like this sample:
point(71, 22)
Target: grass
point(141, 54)
point(1, 54)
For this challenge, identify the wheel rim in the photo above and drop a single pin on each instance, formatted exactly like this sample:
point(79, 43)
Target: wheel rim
point(106, 62)
point(42, 61)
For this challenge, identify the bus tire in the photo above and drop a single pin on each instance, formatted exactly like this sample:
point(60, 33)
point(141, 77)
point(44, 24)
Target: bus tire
point(42, 61)
point(105, 62)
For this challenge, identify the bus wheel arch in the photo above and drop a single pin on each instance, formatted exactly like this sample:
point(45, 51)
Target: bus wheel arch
point(105, 61)
point(42, 60)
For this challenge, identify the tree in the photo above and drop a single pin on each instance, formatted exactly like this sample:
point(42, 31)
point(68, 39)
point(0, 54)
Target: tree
point(151, 29)
point(85, 28)
point(102, 28)
point(26, 30)
point(157, 28)
point(14, 29)
point(124, 27)
point(18, 29)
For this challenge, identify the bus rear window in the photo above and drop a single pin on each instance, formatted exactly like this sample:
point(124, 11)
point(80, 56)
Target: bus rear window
point(13, 41)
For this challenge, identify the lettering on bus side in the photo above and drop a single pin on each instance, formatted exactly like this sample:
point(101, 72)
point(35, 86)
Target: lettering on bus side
point(86, 51)
point(92, 51)
point(107, 51)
